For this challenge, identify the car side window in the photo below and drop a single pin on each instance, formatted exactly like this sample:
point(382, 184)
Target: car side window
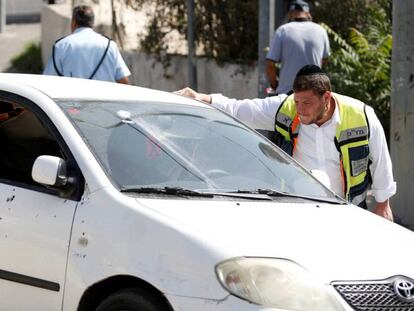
point(23, 137)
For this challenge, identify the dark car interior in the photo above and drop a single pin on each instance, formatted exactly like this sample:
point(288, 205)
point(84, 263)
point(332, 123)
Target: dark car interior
point(23, 138)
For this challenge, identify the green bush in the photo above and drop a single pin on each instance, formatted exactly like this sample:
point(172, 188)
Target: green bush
point(227, 30)
point(343, 14)
point(360, 67)
point(28, 61)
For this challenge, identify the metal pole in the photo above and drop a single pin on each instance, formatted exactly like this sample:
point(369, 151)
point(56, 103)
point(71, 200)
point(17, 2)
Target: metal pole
point(266, 25)
point(402, 111)
point(192, 66)
point(280, 13)
point(272, 17)
point(2, 15)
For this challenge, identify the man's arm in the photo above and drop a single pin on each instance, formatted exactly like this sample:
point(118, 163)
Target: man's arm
point(326, 50)
point(188, 92)
point(383, 184)
point(271, 73)
point(123, 80)
point(259, 113)
point(54, 66)
point(273, 57)
point(383, 209)
point(50, 68)
point(122, 71)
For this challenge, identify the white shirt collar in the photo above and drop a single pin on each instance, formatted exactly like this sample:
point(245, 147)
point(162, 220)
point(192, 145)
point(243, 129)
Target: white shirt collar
point(79, 29)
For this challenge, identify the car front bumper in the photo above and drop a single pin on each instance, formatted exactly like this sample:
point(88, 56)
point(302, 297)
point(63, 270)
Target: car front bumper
point(229, 303)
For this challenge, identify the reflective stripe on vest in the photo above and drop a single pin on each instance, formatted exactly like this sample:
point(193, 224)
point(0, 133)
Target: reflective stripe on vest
point(351, 140)
point(287, 126)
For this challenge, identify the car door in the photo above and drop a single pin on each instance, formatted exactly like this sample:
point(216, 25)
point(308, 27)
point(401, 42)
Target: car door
point(35, 221)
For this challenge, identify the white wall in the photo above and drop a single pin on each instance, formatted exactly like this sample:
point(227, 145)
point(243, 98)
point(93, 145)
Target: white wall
point(147, 72)
point(23, 7)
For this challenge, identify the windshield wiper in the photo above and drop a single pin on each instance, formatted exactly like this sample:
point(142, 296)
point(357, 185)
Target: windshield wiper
point(275, 193)
point(258, 194)
point(189, 192)
point(260, 191)
point(166, 190)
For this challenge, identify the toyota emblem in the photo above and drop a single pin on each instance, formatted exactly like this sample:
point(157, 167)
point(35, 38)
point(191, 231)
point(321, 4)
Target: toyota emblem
point(404, 289)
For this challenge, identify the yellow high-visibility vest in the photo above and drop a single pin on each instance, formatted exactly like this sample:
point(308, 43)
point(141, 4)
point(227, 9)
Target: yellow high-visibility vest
point(351, 141)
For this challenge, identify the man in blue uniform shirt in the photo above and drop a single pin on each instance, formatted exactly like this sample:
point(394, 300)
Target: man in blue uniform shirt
point(85, 53)
point(295, 44)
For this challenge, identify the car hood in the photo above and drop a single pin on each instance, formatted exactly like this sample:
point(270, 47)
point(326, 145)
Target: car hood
point(334, 242)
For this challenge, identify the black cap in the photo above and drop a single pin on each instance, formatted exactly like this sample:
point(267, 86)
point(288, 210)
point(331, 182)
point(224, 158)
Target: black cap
point(308, 70)
point(299, 5)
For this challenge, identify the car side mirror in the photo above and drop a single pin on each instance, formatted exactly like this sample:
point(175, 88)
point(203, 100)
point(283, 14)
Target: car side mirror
point(50, 171)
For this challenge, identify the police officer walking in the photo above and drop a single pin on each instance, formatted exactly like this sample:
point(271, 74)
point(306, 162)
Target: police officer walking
point(85, 53)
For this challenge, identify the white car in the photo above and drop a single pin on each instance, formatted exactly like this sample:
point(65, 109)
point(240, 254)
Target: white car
point(116, 197)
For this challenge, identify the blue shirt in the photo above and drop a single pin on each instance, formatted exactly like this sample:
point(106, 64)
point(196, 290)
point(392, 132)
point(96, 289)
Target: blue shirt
point(78, 54)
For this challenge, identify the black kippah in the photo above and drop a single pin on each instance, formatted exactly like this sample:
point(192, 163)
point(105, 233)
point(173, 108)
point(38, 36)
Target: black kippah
point(310, 70)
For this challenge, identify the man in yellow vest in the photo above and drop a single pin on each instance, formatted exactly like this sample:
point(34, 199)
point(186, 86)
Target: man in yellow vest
point(323, 131)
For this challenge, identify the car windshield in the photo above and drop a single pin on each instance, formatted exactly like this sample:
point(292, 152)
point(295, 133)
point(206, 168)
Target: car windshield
point(157, 145)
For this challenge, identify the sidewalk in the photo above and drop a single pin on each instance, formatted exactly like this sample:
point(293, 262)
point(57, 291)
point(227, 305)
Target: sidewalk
point(14, 39)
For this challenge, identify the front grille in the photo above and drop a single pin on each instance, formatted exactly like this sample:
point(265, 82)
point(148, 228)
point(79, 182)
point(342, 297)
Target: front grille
point(373, 295)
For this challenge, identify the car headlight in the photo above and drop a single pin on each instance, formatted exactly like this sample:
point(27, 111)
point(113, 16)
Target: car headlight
point(277, 283)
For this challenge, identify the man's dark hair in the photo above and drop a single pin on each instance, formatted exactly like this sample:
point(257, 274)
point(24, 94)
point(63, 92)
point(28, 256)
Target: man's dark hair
point(83, 16)
point(311, 77)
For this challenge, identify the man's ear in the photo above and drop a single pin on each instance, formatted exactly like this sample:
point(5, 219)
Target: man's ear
point(73, 25)
point(327, 96)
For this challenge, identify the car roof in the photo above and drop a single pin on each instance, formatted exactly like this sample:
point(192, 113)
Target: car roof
point(73, 88)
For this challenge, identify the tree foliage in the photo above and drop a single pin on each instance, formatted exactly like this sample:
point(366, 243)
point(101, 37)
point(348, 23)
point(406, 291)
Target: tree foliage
point(360, 67)
point(341, 15)
point(226, 30)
